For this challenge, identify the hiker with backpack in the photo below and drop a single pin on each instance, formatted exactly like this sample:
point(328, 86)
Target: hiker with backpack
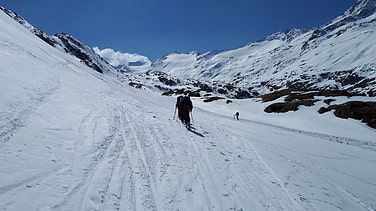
point(184, 106)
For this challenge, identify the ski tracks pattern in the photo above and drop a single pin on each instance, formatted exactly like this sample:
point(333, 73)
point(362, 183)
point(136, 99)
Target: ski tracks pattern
point(97, 157)
point(132, 166)
point(234, 169)
point(132, 157)
point(155, 160)
point(148, 169)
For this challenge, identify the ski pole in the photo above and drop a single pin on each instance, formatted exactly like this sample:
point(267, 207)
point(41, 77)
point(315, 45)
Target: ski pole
point(175, 112)
point(193, 122)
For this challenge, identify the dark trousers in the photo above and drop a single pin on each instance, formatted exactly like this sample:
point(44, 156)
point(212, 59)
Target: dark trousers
point(184, 116)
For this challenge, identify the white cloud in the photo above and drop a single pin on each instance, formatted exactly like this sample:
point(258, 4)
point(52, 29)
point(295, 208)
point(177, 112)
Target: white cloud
point(116, 58)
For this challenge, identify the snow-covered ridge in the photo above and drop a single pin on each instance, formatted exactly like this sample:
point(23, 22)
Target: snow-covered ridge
point(338, 55)
point(83, 52)
point(361, 9)
point(18, 18)
point(67, 43)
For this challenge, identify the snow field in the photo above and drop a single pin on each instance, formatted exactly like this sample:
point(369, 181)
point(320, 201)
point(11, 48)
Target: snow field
point(73, 139)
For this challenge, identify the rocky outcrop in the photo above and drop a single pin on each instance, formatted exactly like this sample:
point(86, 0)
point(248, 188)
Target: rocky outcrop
point(339, 55)
point(67, 43)
point(363, 111)
point(294, 98)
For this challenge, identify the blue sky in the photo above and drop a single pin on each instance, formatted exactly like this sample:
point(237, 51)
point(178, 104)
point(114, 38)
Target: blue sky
point(154, 28)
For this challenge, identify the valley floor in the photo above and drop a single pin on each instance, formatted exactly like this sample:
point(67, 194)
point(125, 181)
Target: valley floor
point(72, 139)
point(125, 151)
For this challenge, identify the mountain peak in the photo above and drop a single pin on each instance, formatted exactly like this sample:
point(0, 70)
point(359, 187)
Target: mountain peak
point(362, 9)
point(338, 55)
point(285, 35)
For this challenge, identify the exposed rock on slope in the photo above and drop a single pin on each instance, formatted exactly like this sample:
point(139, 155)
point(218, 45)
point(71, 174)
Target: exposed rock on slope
point(67, 43)
point(294, 98)
point(340, 55)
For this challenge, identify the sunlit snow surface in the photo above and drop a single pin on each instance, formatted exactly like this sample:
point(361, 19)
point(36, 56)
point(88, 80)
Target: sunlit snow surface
point(327, 56)
point(73, 139)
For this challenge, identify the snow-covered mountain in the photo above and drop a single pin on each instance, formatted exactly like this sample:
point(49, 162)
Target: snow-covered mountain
point(66, 43)
point(338, 55)
point(74, 139)
point(132, 69)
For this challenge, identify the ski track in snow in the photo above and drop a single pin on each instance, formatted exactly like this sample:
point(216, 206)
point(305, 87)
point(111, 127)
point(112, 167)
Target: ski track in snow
point(254, 175)
point(133, 157)
point(332, 138)
point(139, 165)
point(332, 188)
point(74, 139)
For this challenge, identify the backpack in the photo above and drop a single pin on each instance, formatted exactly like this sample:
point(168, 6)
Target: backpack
point(184, 102)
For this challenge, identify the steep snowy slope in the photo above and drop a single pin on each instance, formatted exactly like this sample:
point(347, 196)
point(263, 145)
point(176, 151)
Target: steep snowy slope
point(74, 139)
point(338, 55)
point(68, 44)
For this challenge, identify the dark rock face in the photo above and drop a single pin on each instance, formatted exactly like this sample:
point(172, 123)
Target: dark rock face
point(210, 99)
point(136, 85)
point(363, 111)
point(351, 79)
point(167, 81)
point(328, 101)
point(301, 94)
point(294, 98)
point(242, 94)
point(48, 39)
point(77, 49)
point(362, 9)
point(288, 106)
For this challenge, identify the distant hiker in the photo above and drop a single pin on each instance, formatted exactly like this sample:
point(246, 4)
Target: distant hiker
point(184, 106)
point(237, 115)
